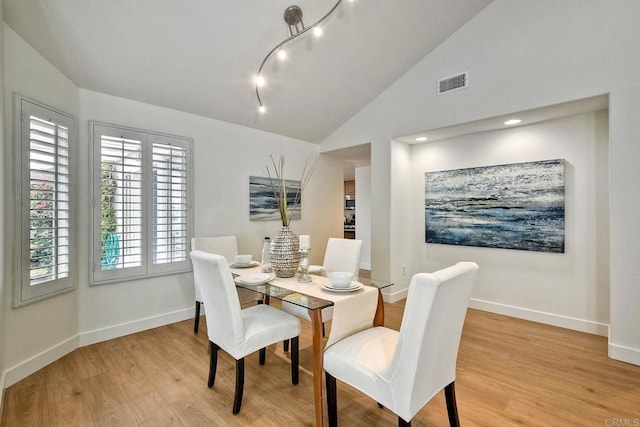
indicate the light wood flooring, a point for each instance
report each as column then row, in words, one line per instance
column 510, row 373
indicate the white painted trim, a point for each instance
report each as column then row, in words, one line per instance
column 396, row 296
column 39, row 361
column 122, row 329
column 624, row 354
column 567, row 322
column 2, row 375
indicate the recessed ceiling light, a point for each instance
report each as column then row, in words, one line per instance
column 512, row 122
column 421, row 138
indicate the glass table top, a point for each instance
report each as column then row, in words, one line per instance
column 380, row 284
column 303, row 300
column 284, row 294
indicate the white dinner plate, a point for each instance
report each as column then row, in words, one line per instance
column 251, row 264
column 254, row 279
column 353, row 287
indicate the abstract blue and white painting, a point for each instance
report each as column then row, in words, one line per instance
column 514, row 206
column 262, row 202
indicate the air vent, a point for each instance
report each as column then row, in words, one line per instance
column 451, row 84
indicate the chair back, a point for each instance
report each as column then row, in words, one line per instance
column 227, row 246
column 425, row 358
column 224, row 320
column 343, row 255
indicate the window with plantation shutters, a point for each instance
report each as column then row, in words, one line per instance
column 45, row 144
column 141, row 203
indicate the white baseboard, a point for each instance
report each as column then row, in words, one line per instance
column 617, row 352
column 624, row 354
column 567, row 322
column 396, row 296
column 526, row 314
column 39, row 361
column 1, row 392
column 139, row 325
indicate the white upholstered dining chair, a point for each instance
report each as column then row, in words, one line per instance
column 404, row 370
column 340, row 255
column 226, row 246
column 237, row 331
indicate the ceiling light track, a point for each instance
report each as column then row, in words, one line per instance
column 293, row 18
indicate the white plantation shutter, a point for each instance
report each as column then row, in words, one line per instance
column 121, row 191
column 141, row 203
column 169, row 203
column 46, row 229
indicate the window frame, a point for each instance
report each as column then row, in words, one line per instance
column 147, row 269
column 23, row 292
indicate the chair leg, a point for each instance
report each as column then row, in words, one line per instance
column 285, row 344
column 213, row 363
column 323, row 329
column 263, row 355
column 295, row 364
column 196, row 320
column 403, row 423
column 237, row 400
column 332, row 400
column 452, row 408
column 380, row 405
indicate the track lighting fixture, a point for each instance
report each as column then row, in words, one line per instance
column 293, row 18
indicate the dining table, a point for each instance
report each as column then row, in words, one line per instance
column 358, row 307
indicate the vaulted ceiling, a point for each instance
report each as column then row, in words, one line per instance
column 200, row 56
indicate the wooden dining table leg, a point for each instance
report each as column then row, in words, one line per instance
column 378, row 319
column 318, row 348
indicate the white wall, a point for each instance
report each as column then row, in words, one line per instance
column 554, row 52
column 44, row 330
column 225, row 155
column 2, row 208
column 570, row 289
column 624, row 339
column 521, row 55
column 401, row 230
column 363, row 210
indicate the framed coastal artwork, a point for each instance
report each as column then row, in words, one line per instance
column 514, row 206
column 262, row 202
